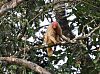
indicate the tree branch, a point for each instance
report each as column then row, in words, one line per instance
column 25, row 63
column 73, row 41
column 9, row 5
column 89, row 34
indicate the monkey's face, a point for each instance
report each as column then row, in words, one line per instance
column 54, row 25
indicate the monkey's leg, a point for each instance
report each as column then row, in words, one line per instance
column 49, row 51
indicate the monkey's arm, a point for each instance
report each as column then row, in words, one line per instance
column 52, row 38
column 65, row 38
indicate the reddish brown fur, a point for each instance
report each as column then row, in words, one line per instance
column 52, row 36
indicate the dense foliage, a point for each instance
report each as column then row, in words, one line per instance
column 20, row 24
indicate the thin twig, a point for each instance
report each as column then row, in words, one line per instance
column 82, row 37
column 87, row 24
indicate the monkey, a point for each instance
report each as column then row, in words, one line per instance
column 53, row 35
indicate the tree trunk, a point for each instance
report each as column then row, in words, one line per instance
column 59, row 10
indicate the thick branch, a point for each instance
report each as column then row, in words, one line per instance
column 9, row 5
column 25, row 63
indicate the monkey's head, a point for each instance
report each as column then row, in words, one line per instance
column 55, row 24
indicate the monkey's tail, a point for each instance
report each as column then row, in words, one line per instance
column 49, row 51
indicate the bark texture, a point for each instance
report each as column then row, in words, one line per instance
column 25, row 63
column 9, row 5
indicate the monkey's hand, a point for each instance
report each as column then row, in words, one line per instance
column 53, row 39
